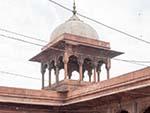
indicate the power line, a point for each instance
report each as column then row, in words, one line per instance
column 130, row 61
column 107, row 26
column 19, row 75
column 114, row 29
column 61, row 5
column 137, row 61
column 22, row 35
column 21, row 40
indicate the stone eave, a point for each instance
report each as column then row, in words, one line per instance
column 69, row 38
column 41, row 56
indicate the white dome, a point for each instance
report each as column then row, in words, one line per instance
column 76, row 27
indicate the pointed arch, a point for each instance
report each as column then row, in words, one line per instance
column 60, row 62
column 73, row 65
column 87, row 66
column 61, row 67
column 53, row 78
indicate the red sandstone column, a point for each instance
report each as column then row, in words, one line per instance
column 42, row 80
column 108, row 75
column 65, row 65
column 49, row 68
column 57, row 73
column 108, row 66
column 89, row 74
column 95, row 68
column 80, row 61
column 98, row 75
column 89, row 78
column 94, row 74
column 99, row 70
column 65, row 70
column 43, row 69
column 80, row 70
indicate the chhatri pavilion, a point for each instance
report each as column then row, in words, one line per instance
column 74, row 46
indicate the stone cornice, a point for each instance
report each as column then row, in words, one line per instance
column 28, row 96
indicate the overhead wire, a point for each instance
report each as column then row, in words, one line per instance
column 21, row 40
column 137, row 61
column 19, row 75
column 28, row 42
column 107, row 26
column 29, row 37
column 130, row 61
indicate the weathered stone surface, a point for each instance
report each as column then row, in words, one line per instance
column 130, row 92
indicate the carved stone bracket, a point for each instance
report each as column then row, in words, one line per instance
column 43, row 68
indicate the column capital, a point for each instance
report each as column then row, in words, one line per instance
column 108, row 66
column 43, row 68
column 95, row 64
column 99, row 66
column 50, row 66
column 108, row 63
column 65, row 58
column 80, row 60
column 65, row 61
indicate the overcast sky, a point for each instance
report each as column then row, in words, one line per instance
column 38, row 18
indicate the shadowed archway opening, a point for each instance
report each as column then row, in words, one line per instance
column 61, row 68
column 147, row 110
column 87, row 67
column 73, row 66
column 123, row 111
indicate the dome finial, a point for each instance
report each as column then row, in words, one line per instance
column 74, row 8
